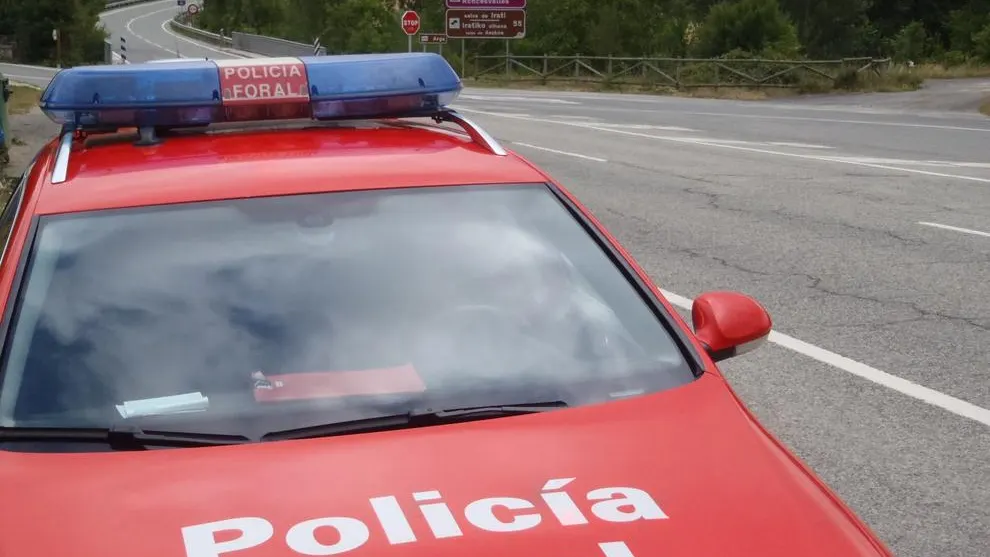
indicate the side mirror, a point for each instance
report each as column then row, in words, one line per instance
column 729, row 323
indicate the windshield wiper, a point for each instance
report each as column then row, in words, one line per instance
column 119, row 437
column 415, row 418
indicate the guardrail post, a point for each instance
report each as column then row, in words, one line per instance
column 508, row 61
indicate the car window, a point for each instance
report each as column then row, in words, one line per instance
column 280, row 312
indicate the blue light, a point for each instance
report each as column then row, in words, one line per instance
column 133, row 95
column 364, row 85
column 175, row 94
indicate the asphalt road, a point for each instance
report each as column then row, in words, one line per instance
column 27, row 74
column 878, row 373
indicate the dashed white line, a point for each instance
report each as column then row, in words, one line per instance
column 643, row 127
column 798, row 145
column 500, row 98
column 173, row 51
column 882, row 378
column 130, row 30
column 723, row 145
column 567, row 153
column 955, row 229
column 797, row 118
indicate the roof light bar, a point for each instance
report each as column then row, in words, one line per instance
column 190, row 93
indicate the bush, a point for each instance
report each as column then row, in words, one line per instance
column 981, row 44
column 910, row 43
column 757, row 26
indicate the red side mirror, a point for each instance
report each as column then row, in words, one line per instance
column 729, row 323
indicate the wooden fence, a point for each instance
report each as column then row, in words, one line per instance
column 677, row 73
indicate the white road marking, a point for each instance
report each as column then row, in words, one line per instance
column 882, row 378
column 571, row 117
column 173, row 51
column 25, row 66
column 499, row 98
column 130, row 30
column 165, row 27
column 569, row 154
column 806, row 119
column 959, row 164
column 34, row 77
column 955, row 229
column 798, row 145
column 644, row 127
column 723, row 145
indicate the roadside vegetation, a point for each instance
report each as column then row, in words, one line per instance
column 28, row 25
column 23, row 99
column 923, row 40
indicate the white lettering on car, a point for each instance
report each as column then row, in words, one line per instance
column 438, row 515
column 482, row 514
column 201, row 539
column 491, row 514
column 351, row 534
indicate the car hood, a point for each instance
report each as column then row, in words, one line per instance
column 684, row 472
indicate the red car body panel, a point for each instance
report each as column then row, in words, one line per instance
column 712, row 480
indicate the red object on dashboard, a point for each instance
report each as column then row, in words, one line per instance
column 335, row 384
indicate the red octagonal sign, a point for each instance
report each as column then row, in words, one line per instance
column 410, row 22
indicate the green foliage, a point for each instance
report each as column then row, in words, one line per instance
column 949, row 32
column 31, row 23
column 981, row 44
column 759, row 27
column 910, row 43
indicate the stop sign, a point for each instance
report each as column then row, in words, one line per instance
column 410, row 22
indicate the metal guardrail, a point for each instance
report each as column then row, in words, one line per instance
column 114, row 4
column 247, row 42
column 271, row 46
column 679, row 73
column 180, row 26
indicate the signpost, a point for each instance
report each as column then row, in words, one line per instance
column 433, row 38
column 57, row 37
column 487, row 4
column 410, row 25
column 486, row 24
column 485, row 19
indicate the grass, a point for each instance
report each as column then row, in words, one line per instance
column 596, row 86
column 985, row 107
column 7, row 184
column 897, row 78
column 940, row 71
column 23, row 99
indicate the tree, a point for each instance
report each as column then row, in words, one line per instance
column 31, row 23
column 758, row 27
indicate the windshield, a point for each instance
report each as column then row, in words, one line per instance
column 253, row 315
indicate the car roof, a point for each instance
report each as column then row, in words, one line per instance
column 110, row 171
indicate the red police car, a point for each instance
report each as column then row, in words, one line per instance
column 285, row 307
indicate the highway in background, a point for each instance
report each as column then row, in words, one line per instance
column 861, row 222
